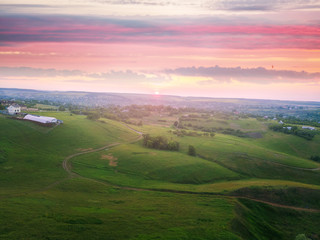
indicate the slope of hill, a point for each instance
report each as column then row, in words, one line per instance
column 132, row 192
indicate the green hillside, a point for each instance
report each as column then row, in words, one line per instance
column 34, row 153
column 128, row 191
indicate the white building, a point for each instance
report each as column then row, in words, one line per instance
column 40, row 119
column 14, row 109
column 307, row 127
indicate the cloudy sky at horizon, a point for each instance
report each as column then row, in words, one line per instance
column 212, row 48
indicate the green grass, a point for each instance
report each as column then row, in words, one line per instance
column 149, row 164
column 81, row 208
column 289, row 144
column 291, row 196
column 264, row 222
column 223, row 147
column 34, row 155
column 44, row 106
column 246, row 124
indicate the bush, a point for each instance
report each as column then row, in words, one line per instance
column 160, row 143
column 192, row 150
column 315, row 158
column 93, row 116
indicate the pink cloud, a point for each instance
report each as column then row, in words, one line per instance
column 58, row 29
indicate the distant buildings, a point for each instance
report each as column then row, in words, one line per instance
column 280, row 122
column 14, row 109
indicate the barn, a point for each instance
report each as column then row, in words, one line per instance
column 40, row 119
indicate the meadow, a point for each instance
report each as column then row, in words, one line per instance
column 129, row 191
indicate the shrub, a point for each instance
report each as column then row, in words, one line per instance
column 160, row 143
column 192, row 150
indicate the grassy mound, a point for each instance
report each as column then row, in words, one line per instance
column 149, row 164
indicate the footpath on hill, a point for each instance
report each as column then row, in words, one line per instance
column 68, row 168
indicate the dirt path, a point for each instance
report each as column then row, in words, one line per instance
column 68, row 168
column 280, row 205
column 124, row 124
column 292, row 167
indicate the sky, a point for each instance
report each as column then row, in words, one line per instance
column 211, row 48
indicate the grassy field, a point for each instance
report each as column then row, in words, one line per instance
column 78, row 209
column 145, row 164
column 36, row 191
column 46, row 107
column 34, row 153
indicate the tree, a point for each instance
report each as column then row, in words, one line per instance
column 192, row 150
column 93, row 116
column 176, row 123
column 61, row 108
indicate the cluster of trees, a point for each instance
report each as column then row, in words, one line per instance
column 182, row 133
column 315, row 158
column 233, row 132
column 93, row 115
column 195, row 117
column 160, row 142
column 294, row 120
column 287, row 129
column 229, row 131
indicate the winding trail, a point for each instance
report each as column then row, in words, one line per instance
column 292, row 167
column 68, row 168
column 280, row 205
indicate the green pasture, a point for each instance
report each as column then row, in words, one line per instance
column 145, row 165
column 46, row 107
column 33, row 154
column 94, row 206
column 80, row 209
column 234, row 122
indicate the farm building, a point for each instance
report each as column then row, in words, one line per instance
column 40, row 119
column 14, row 109
column 307, row 127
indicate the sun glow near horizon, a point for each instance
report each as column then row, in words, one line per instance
column 194, row 53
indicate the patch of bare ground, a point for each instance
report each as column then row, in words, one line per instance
column 113, row 161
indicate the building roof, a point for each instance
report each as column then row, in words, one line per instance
column 40, row 119
column 14, row 105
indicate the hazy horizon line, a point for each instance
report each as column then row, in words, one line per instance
column 171, row 95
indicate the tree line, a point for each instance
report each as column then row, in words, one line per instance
column 160, row 143
column 294, row 130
